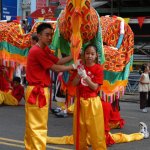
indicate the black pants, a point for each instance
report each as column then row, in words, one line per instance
column 143, row 99
column 148, row 103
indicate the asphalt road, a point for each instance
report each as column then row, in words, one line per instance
column 12, row 125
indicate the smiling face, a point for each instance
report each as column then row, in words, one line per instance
column 90, row 56
column 45, row 37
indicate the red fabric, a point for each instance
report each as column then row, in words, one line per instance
column 109, row 139
column 18, row 92
column 4, row 84
column 37, row 92
column 87, row 95
column 95, row 72
column 116, row 119
column 39, row 62
column 107, row 109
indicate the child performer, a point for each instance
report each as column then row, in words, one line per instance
column 40, row 62
column 91, row 120
column 14, row 96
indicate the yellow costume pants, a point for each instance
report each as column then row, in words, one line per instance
column 8, row 99
column 123, row 138
column 91, row 124
column 36, row 122
column 117, row 137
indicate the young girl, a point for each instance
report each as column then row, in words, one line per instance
column 89, row 78
column 144, row 88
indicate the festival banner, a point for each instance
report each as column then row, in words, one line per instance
column 141, row 21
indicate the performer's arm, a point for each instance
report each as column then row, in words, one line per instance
column 64, row 60
column 91, row 84
column 61, row 68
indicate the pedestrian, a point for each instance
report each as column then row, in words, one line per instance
column 40, row 61
column 88, row 80
column 13, row 96
column 144, row 88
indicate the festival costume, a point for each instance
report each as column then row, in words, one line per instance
column 12, row 97
column 110, row 138
column 91, row 112
column 117, row 137
column 37, row 96
column 115, row 121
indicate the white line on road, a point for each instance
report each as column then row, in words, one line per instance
column 128, row 117
column 6, row 140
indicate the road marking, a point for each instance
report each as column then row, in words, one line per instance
column 129, row 117
column 4, row 141
column 10, row 144
column 11, row 140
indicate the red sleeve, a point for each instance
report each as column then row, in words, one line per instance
column 46, row 59
column 99, row 75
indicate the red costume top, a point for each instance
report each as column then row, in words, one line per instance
column 18, row 92
column 39, row 62
column 95, row 72
column 4, row 84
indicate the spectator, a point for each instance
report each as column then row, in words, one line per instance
column 144, row 88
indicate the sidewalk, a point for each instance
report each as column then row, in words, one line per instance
column 131, row 98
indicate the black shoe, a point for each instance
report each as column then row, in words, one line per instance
column 61, row 115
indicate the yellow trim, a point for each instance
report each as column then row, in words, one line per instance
column 13, row 57
column 108, row 88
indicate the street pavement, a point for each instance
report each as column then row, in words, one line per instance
column 12, row 126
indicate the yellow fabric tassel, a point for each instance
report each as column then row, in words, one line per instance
column 122, row 138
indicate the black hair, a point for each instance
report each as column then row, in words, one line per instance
column 143, row 67
column 17, row 79
column 35, row 37
column 43, row 26
column 90, row 45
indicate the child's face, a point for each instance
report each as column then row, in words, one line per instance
column 90, row 55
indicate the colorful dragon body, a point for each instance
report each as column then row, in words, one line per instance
column 78, row 25
column 14, row 45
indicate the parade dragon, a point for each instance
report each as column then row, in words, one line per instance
column 78, row 25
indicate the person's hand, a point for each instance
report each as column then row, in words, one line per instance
column 78, row 63
column 82, row 73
